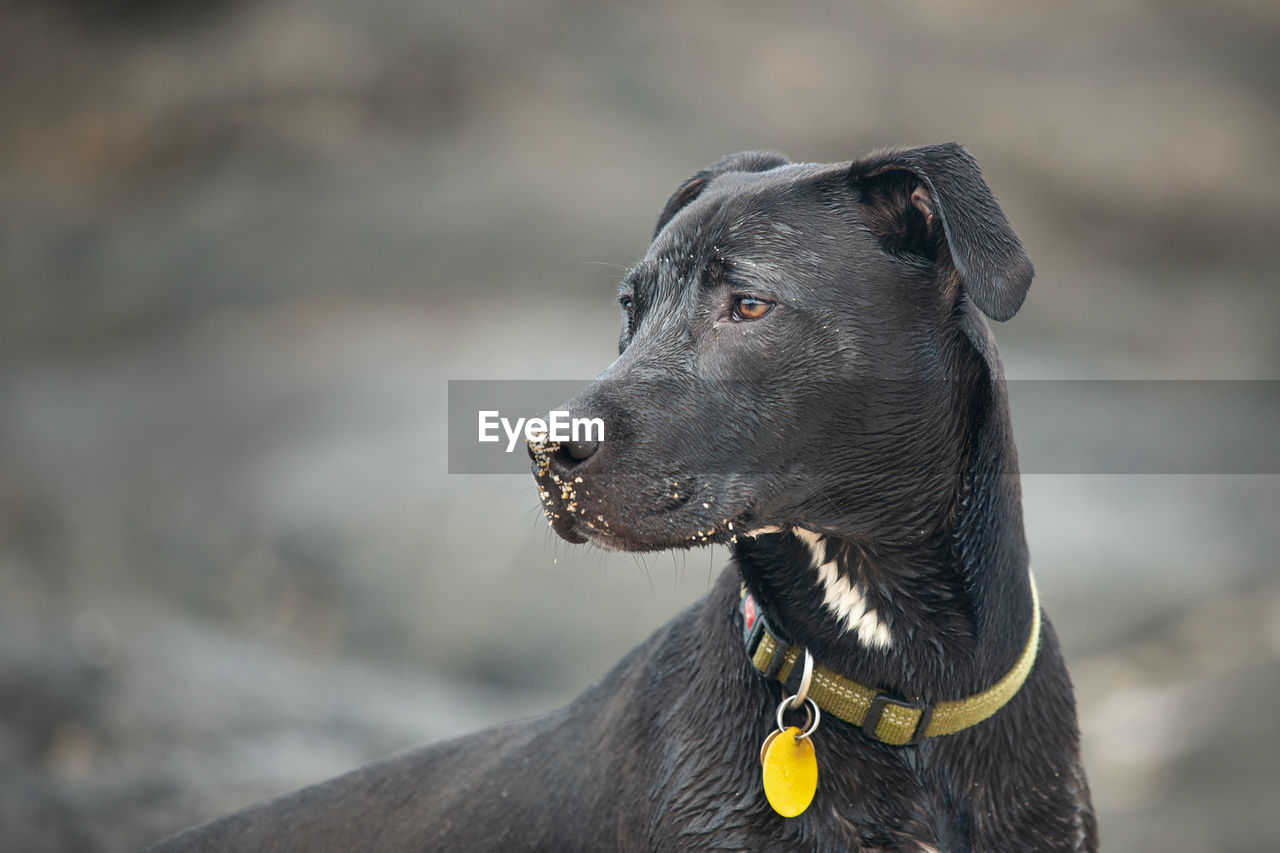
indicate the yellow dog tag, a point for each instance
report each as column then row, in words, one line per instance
column 764, row 748
column 790, row 772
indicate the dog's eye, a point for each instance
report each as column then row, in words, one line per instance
column 628, row 314
column 750, row 308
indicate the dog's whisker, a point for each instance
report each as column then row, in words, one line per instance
column 609, row 264
column 648, row 573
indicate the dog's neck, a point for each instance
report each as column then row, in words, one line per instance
column 938, row 618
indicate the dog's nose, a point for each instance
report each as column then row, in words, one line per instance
column 579, row 451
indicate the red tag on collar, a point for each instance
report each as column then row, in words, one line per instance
column 748, row 612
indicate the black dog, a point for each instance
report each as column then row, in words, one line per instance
column 805, row 376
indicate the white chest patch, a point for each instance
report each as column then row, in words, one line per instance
column 843, row 598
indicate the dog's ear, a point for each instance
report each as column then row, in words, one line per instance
column 746, row 161
column 923, row 199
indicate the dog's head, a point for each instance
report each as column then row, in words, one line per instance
column 801, row 345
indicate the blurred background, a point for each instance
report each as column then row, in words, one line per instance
column 244, row 245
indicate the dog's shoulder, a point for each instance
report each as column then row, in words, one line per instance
column 548, row 782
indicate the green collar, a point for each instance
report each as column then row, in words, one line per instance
column 880, row 715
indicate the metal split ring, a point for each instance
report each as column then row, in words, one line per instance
column 805, row 681
column 813, row 712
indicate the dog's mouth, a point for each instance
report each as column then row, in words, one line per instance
column 559, row 495
column 617, row 511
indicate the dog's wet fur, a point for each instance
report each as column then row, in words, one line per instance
column 804, row 375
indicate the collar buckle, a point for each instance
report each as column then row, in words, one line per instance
column 754, row 628
column 876, row 711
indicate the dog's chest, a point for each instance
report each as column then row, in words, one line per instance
column 861, row 805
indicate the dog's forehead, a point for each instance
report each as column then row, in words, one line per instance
column 748, row 220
